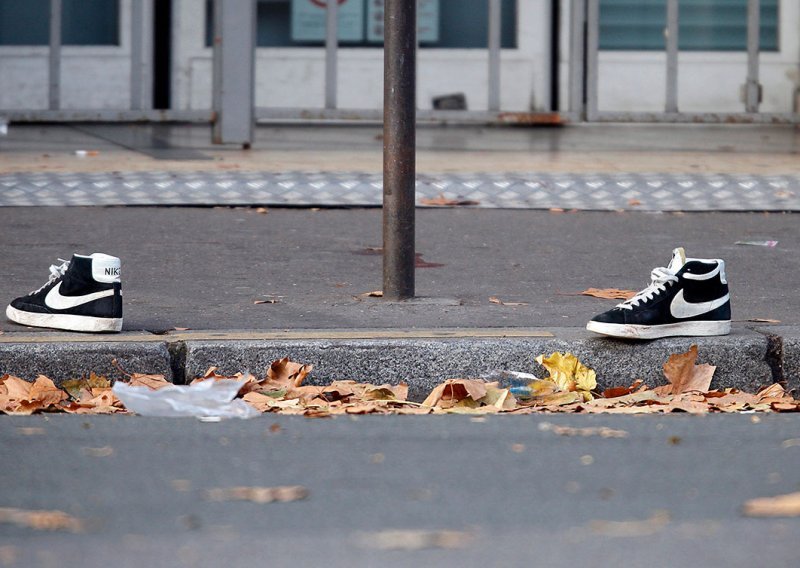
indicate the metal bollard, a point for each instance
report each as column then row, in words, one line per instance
column 399, row 147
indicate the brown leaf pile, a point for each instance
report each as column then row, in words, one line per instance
column 569, row 388
column 282, row 390
column 90, row 395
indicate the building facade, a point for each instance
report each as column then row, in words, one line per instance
column 290, row 57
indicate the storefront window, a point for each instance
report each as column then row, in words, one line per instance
column 704, row 25
column 451, row 24
column 84, row 22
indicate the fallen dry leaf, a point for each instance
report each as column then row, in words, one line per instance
column 419, row 262
column 498, row 398
column 615, row 392
column 609, row 293
column 780, row 506
column 41, row 520
column 18, row 396
column 411, row 539
column 46, row 392
column 657, row 521
column 454, row 391
column 102, row 452
column 288, row 373
column 15, row 388
column 684, row 376
column 442, row 201
column 279, row 494
column 496, row 300
column 153, row 382
column 265, row 403
column 386, row 392
column 603, row 432
column 774, row 390
column 569, row 374
column 77, row 387
column 785, row 406
column 270, row 301
column 373, row 294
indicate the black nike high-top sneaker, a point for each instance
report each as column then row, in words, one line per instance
column 82, row 294
column 689, row 297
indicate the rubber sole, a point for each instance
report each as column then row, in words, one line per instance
column 687, row 328
column 65, row 321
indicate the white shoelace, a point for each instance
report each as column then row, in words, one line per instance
column 56, row 272
column 659, row 278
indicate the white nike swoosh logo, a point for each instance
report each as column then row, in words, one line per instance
column 681, row 309
column 56, row 301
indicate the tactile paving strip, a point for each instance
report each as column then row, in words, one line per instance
column 643, row 192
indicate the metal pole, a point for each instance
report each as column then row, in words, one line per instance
column 234, row 71
column 331, row 46
column 495, row 29
column 141, row 54
column 592, row 57
column 752, row 87
column 671, row 34
column 399, row 147
column 54, row 78
column 577, row 54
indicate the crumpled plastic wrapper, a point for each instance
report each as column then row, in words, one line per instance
column 206, row 399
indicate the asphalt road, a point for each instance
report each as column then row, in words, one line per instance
column 204, row 268
column 515, row 491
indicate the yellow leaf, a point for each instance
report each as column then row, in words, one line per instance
column 560, row 399
column 568, row 373
column 542, row 387
column 499, row 398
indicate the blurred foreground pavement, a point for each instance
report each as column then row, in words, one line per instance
column 402, row 491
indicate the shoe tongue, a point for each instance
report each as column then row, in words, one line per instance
column 678, row 259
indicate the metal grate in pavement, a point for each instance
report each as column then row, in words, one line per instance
column 643, row 192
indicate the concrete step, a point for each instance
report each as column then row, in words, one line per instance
column 746, row 359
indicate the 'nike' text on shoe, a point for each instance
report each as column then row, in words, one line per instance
column 82, row 294
column 689, row 297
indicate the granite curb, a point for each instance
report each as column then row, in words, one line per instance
column 747, row 359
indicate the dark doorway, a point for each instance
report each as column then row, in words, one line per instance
column 162, row 52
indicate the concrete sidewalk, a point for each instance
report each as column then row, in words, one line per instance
column 204, row 268
column 586, row 148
